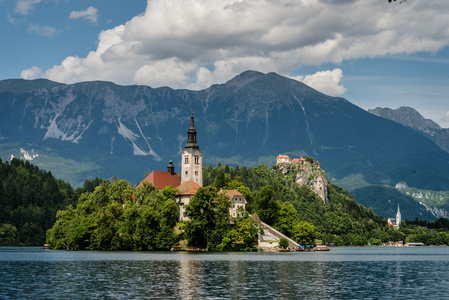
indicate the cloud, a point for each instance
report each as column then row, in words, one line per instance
column 11, row 20
column 91, row 14
column 42, row 30
column 202, row 42
column 33, row 73
column 446, row 117
column 24, row 7
column 327, row 82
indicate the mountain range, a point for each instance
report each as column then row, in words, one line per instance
column 409, row 117
column 100, row 129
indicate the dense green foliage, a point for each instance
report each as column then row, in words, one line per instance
column 342, row 221
column 113, row 215
column 29, row 200
column 118, row 217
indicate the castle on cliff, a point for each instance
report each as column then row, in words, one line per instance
column 286, row 159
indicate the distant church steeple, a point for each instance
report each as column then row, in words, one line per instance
column 398, row 217
column 192, row 157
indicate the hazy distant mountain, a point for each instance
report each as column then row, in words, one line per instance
column 101, row 129
column 409, row 117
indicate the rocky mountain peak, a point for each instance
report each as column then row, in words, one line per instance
column 244, row 78
column 406, row 116
column 411, row 118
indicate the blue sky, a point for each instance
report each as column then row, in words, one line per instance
column 371, row 52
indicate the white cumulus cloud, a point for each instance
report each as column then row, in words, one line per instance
column 327, row 82
column 91, row 14
column 193, row 43
column 24, row 7
column 32, row 73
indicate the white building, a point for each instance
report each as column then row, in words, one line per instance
column 192, row 158
column 395, row 222
column 283, row 159
column 237, row 200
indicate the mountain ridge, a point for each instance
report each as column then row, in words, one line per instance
column 126, row 130
column 411, row 118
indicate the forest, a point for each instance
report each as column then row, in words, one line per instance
column 36, row 208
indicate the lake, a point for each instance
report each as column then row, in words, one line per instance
column 342, row 273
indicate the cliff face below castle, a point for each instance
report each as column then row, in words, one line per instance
column 308, row 174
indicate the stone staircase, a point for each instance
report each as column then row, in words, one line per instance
column 270, row 238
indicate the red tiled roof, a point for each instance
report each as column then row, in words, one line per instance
column 295, row 160
column 302, row 159
column 283, row 156
column 188, row 188
column 256, row 218
column 232, row 194
column 161, row 179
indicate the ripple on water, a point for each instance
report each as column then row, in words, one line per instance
column 342, row 275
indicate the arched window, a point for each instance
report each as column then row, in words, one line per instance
column 186, row 159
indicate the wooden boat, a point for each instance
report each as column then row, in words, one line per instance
column 322, row 248
column 192, row 249
column 177, row 248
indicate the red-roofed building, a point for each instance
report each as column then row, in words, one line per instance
column 283, row 159
column 185, row 193
column 162, row 179
column 296, row 160
column 237, row 200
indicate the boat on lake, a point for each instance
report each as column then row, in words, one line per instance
column 177, row 248
column 322, row 248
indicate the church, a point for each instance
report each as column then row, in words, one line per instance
column 395, row 221
column 191, row 177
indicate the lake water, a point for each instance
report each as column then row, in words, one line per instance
column 342, row 273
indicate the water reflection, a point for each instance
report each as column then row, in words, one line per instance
column 343, row 274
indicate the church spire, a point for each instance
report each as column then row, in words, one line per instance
column 398, row 217
column 191, row 135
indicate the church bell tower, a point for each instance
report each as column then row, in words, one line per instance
column 192, row 158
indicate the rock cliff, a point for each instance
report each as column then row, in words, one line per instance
column 309, row 174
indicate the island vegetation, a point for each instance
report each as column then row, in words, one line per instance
column 113, row 215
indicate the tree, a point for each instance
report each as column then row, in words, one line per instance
column 201, row 214
column 8, row 234
column 283, row 243
column 304, row 233
column 309, row 159
column 241, row 237
column 267, row 207
column 287, row 218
